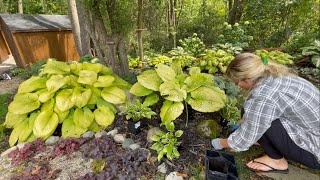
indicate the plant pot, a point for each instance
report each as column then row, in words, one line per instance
column 134, row 127
column 220, row 166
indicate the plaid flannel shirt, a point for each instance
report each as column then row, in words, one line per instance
column 294, row 101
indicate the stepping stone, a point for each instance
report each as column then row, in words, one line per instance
column 294, row 173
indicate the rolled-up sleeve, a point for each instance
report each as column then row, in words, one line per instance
column 259, row 113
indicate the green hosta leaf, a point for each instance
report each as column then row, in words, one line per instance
column 62, row 115
column 74, row 81
column 104, row 81
column 165, row 72
column 97, row 67
column 179, row 133
column 194, row 70
column 176, row 66
column 180, row 78
column 63, row 100
column 157, row 147
column 194, row 81
column 210, row 79
column 175, row 152
column 171, row 111
column 160, row 155
column 45, row 124
column 70, row 129
column 160, row 133
column 45, row 95
column 113, row 95
column 96, row 93
column 94, row 127
column 80, row 96
column 120, row 83
column 75, row 68
column 49, row 105
column 56, row 82
column 150, row 79
column 24, row 103
column 87, row 77
column 170, row 128
column 139, row 90
column 32, row 84
column 27, row 130
column 172, row 92
column 104, row 116
column 155, row 138
column 14, row 119
column 56, row 67
column 207, row 99
column 83, row 117
column 106, row 70
column 17, row 131
column 102, row 103
column 151, row 99
column 168, row 149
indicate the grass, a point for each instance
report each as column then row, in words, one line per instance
column 4, row 102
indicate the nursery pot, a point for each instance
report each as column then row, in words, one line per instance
column 134, row 127
column 220, row 166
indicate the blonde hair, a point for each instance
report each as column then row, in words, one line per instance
column 250, row 66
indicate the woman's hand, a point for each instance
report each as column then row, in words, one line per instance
column 219, row 144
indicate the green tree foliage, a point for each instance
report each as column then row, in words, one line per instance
column 35, row 6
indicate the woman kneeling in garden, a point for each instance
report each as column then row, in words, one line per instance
column 282, row 114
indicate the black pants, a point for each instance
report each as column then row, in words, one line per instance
column 277, row 144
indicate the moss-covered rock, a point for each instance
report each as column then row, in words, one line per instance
column 209, row 128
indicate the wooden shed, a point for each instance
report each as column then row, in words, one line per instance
column 4, row 49
column 32, row 38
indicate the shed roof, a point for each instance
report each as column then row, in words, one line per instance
column 29, row 23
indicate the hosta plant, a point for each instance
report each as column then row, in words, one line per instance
column 276, row 56
column 80, row 96
column 167, row 143
column 313, row 52
column 170, row 82
column 216, row 61
column 231, row 112
column 136, row 111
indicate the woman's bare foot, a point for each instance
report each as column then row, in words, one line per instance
column 278, row 164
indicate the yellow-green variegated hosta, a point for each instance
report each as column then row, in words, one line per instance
column 80, row 96
column 197, row 89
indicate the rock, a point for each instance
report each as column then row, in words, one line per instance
column 100, row 134
column 162, row 168
column 52, row 140
column 127, row 142
column 119, row 138
column 88, row 134
column 113, row 132
column 147, row 151
column 134, row 146
column 174, row 176
column 21, row 145
column 9, row 151
column 152, row 132
column 209, row 129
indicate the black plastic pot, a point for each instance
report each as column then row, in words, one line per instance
column 134, row 127
column 220, row 166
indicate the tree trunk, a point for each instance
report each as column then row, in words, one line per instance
column 80, row 34
column 235, row 10
column 20, row 7
column 85, row 37
column 140, row 26
column 110, row 49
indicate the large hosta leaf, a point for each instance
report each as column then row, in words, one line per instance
column 104, row 81
column 172, row 92
column 70, row 129
column 24, row 103
column 87, row 77
column 96, row 93
column 194, row 70
column 101, row 103
column 32, row 84
column 104, row 116
column 165, row 72
column 80, row 96
column 139, row 90
column 207, row 99
column 17, row 131
column 151, row 99
column 170, row 111
column 194, row 81
column 63, row 100
column 45, row 124
column 56, row 82
column 97, row 67
column 28, row 129
column 150, row 79
column 45, row 95
column 113, row 95
column 62, row 115
column 83, row 117
column 56, row 67
column 120, row 83
column 14, row 119
column 176, row 66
